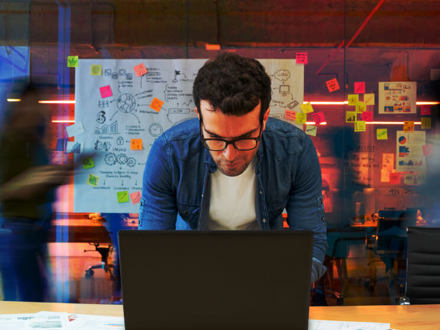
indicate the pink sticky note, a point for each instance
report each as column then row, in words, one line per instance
column 140, row 69
column 332, row 85
column 425, row 110
column 367, row 116
column 359, row 87
column 395, row 178
column 318, row 117
column 135, row 197
column 427, row 149
column 106, row 91
column 302, row 58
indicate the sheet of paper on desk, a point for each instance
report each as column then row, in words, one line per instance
column 50, row 321
column 345, row 325
column 84, row 321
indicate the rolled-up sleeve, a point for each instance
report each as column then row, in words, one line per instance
column 158, row 208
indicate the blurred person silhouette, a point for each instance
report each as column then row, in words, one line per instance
column 27, row 184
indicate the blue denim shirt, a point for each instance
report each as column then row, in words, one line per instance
column 176, row 182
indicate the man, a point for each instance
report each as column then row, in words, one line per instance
column 234, row 168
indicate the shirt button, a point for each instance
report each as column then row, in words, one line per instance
column 261, row 192
column 264, row 220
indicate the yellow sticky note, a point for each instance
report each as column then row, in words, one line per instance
column 382, row 134
column 123, row 196
column 408, row 126
column 426, row 122
column 88, row 163
column 353, row 99
column 136, row 144
column 72, row 61
column 92, row 180
column 301, row 117
column 360, row 126
column 306, row 107
column 96, row 70
column 350, row 116
column 156, row 104
column 361, row 107
column 369, row 99
column 311, row 130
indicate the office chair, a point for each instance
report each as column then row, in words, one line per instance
column 423, row 265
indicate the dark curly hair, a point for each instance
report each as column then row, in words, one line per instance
column 234, row 84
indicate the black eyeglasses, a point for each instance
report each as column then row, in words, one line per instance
column 241, row 144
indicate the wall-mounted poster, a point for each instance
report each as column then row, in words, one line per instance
column 409, row 153
column 397, row 97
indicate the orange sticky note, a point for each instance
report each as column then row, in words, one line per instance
column 212, row 47
column 359, row 87
column 301, row 58
column 367, row 116
column 332, row 85
column 140, row 69
column 290, row 114
column 306, row 107
column 395, row 178
column 135, row 197
column 156, row 104
column 136, row 144
column 408, row 126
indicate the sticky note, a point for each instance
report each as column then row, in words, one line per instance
column 426, row 122
column 74, row 147
column 306, row 107
column 318, row 117
column 332, row 85
column 369, row 99
column 72, row 61
column 395, row 178
column 425, row 110
column 361, row 107
column 290, row 114
column 427, row 149
column 360, row 126
column 382, row 134
column 367, row 116
column 135, row 197
column 350, row 116
column 74, row 130
column 140, row 69
column 156, row 104
column 213, row 47
column 136, row 144
column 92, row 180
column 353, row 99
column 385, row 175
column 359, row 87
column 96, row 70
column 311, row 130
column 106, row 91
column 88, row 163
column 301, row 58
column 301, row 117
column 122, row 196
column 408, row 126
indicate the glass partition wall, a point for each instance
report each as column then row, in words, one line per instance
column 372, row 71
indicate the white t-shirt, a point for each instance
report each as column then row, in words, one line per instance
column 232, row 203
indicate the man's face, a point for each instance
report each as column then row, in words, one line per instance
column 216, row 124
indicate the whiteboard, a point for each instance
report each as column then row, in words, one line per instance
column 109, row 124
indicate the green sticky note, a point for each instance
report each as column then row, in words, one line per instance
column 301, row 117
column 72, row 61
column 96, row 70
column 360, row 126
column 353, row 99
column 382, row 134
column 88, row 163
column 311, row 130
column 92, row 180
column 123, row 197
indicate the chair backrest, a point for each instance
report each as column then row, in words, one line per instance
column 423, row 265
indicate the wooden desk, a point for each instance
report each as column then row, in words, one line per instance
column 420, row 317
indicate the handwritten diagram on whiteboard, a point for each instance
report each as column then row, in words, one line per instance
column 121, row 109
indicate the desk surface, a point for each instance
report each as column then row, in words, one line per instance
column 419, row 317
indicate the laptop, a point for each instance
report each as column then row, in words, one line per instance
column 215, row 279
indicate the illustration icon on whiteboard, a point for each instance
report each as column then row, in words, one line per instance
column 126, row 103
